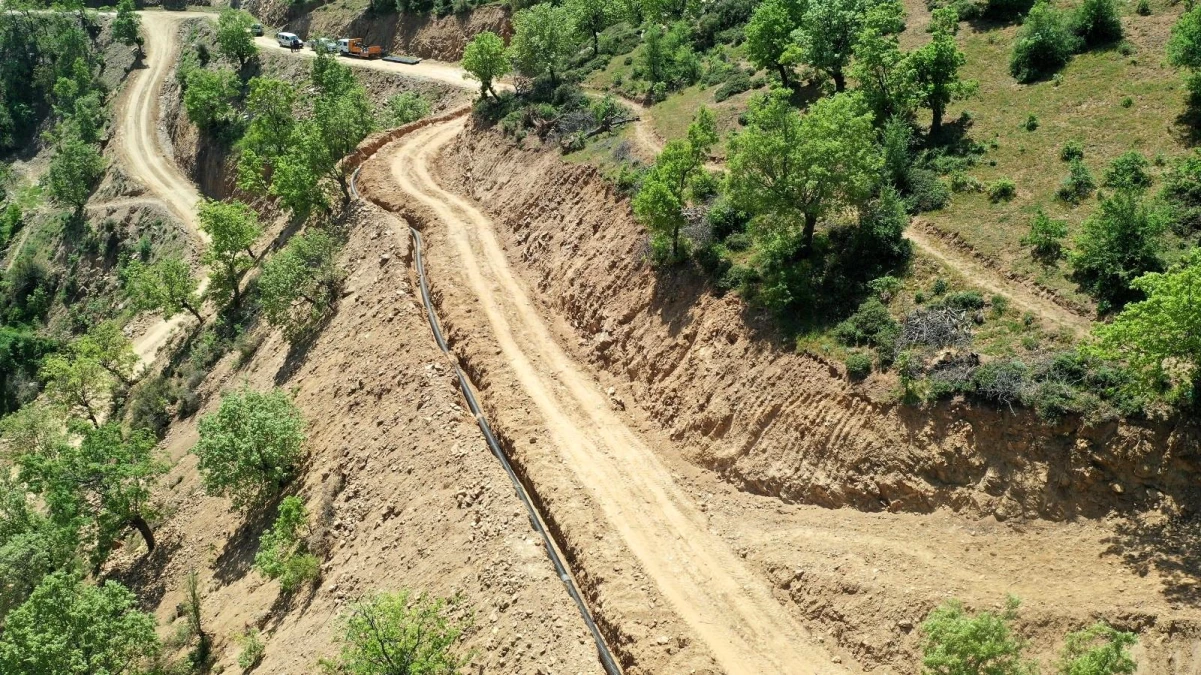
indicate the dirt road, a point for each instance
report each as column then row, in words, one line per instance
column 145, row 156
column 710, row 587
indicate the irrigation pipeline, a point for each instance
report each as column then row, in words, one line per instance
column 602, row 648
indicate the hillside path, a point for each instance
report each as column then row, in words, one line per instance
column 727, row 606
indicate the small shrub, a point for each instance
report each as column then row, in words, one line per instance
column 1097, row 22
column 1127, row 102
column 415, row 630
column 1078, row 185
column 252, row 649
column 1000, row 381
column 1143, row 8
column 1000, row 304
column 1002, row 190
column 938, row 287
column 1071, row 150
column 1044, row 44
column 1128, row 172
column 926, row 191
column 964, row 182
column 1099, row 649
column 283, row 552
column 871, row 324
column 965, row 300
column 859, row 365
column 1046, row 237
column 1031, row 123
column 1125, row 48
column 953, row 639
column 406, row 107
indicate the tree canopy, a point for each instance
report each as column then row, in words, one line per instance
column 485, row 60
column 233, row 227
column 234, row 40
column 299, row 283
column 250, row 447
column 769, row 34
column 542, row 40
column 664, row 194
column 936, row 69
column 166, row 286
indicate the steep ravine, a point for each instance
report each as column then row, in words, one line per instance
column 713, row 374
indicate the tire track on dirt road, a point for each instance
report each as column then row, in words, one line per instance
column 729, row 608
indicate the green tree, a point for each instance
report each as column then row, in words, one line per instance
column 957, row 643
column 104, row 482
column 1098, row 22
column 1159, row 338
column 233, row 227
column 208, row 97
column 542, row 40
column 826, row 37
column 69, row 627
column 74, row 170
column 485, row 60
column 590, row 17
column 1046, row 237
column 884, row 74
column 298, row 284
column 272, row 120
column 1118, row 244
column 127, row 26
column 283, row 553
column 234, row 40
column 1099, row 649
column 398, row 634
column 31, row 546
column 936, row 69
column 1128, row 171
column 166, row 286
column 108, row 346
column 77, row 383
column 796, row 169
column 406, row 107
column 769, row 35
column 1044, row 44
column 1184, row 46
column 665, row 190
column 250, row 447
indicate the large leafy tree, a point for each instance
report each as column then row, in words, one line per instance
column 108, row 346
column 826, row 36
column 769, row 34
column 166, row 286
column 1043, row 45
column 797, row 168
column 234, row 40
column 272, row 121
column 209, row 95
column 298, row 284
column 590, row 17
column 75, row 168
column 233, row 227
column 1184, row 47
column 485, row 60
column 1159, row 338
column 543, row 40
column 665, row 190
column 884, row 74
column 70, row 627
column 1118, row 244
column 127, row 26
column 31, row 545
column 77, row 383
column 250, row 447
column 936, row 67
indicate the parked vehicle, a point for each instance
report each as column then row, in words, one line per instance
column 325, row 45
column 289, row 40
column 256, row 29
column 357, row 48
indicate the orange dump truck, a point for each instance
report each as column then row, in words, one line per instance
column 356, row 47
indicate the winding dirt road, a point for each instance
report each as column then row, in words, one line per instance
column 710, row 587
column 145, row 156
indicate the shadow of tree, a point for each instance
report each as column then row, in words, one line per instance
column 237, row 557
column 1169, row 545
column 146, row 576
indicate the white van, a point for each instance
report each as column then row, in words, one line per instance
column 289, row 40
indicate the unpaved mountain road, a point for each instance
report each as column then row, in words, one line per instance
column 711, row 589
column 145, row 156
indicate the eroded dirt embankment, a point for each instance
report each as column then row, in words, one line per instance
column 713, row 373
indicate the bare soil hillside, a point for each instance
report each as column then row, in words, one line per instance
column 716, row 376
column 405, row 492
column 672, row 358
